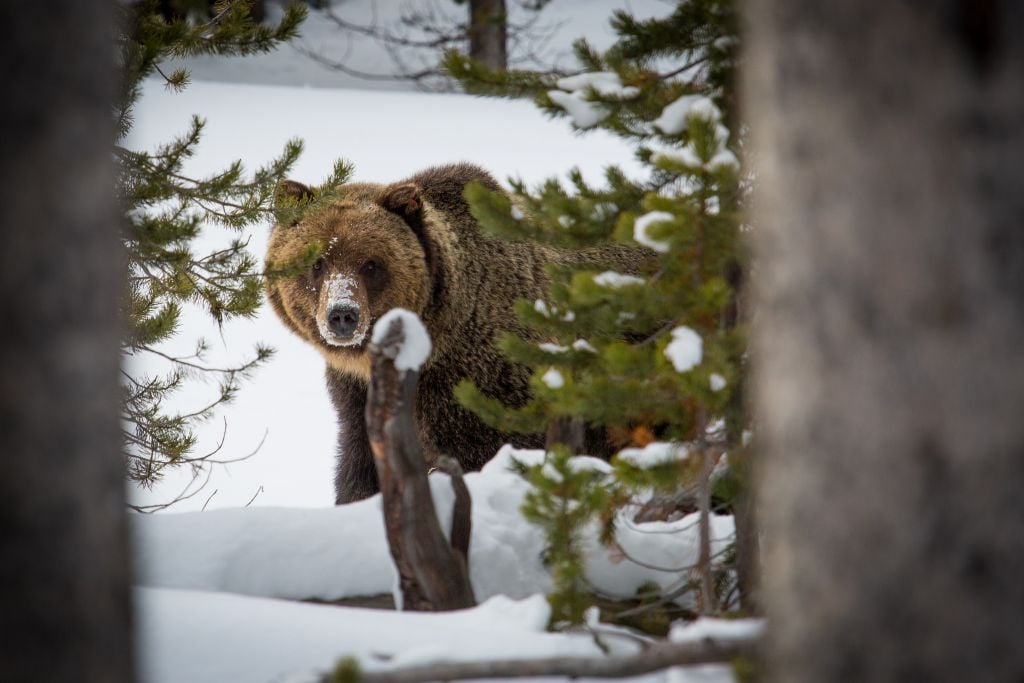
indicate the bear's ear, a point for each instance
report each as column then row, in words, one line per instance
column 287, row 197
column 403, row 200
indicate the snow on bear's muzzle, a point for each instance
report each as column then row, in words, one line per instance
column 341, row 314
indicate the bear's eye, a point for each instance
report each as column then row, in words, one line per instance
column 318, row 266
column 369, row 268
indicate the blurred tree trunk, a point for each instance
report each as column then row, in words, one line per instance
column 890, row 339
column 488, row 23
column 64, row 578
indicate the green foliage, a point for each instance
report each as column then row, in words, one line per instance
column 563, row 499
column 165, row 210
column 614, row 344
column 347, row 670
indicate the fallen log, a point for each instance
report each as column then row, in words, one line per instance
column 655, row 658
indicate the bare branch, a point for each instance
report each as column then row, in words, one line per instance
column 184, row 495
column 258, row 492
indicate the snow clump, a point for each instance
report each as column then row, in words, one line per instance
column 716, row 381
column 673, row 117
column 606, row 83
column 416, row 346
column 583, row 345
column 572, row 94
column 584, row 114
column 654, row 454
column 643, row 223
column 716, row 629
column 551, row 474
column 588, row 463
column 548, row 347
column 517, row 213
column 686, row 350
column 685, row 155
column 724, row 158
column 613, row 280
column 553, row 378
column 673, row 121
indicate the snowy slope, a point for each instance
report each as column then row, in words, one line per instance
column 204, row 612
column 194, row 637
column 340, row 552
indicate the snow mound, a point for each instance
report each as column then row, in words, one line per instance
column 509, row 457
column 415, row 348
column 341, row 552
column 214, row 637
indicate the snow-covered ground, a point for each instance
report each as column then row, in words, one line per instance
column 196, row 637
column 341, row 552
column 215, row 601
column 207, row 580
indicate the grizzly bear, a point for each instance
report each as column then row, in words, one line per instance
column 415, row 245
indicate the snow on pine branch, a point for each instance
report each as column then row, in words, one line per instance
column 572, row 96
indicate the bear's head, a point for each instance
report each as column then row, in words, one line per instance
column 375, row 256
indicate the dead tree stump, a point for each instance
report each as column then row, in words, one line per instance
column 432, row 576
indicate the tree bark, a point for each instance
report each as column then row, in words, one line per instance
column 64, row 576
column 567, row 431
column 748, row 544
column 890, row 277
column 432, row 576
column 488, row 22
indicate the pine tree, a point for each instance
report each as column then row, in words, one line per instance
column 656, row 360
column 164, row 212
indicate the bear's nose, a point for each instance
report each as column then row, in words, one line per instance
column 343, row 321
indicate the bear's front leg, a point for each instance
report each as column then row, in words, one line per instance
column 355, row 474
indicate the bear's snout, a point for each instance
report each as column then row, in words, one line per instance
column 342, row 313
column 343, row 321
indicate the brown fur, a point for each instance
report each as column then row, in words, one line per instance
column 438, row 264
